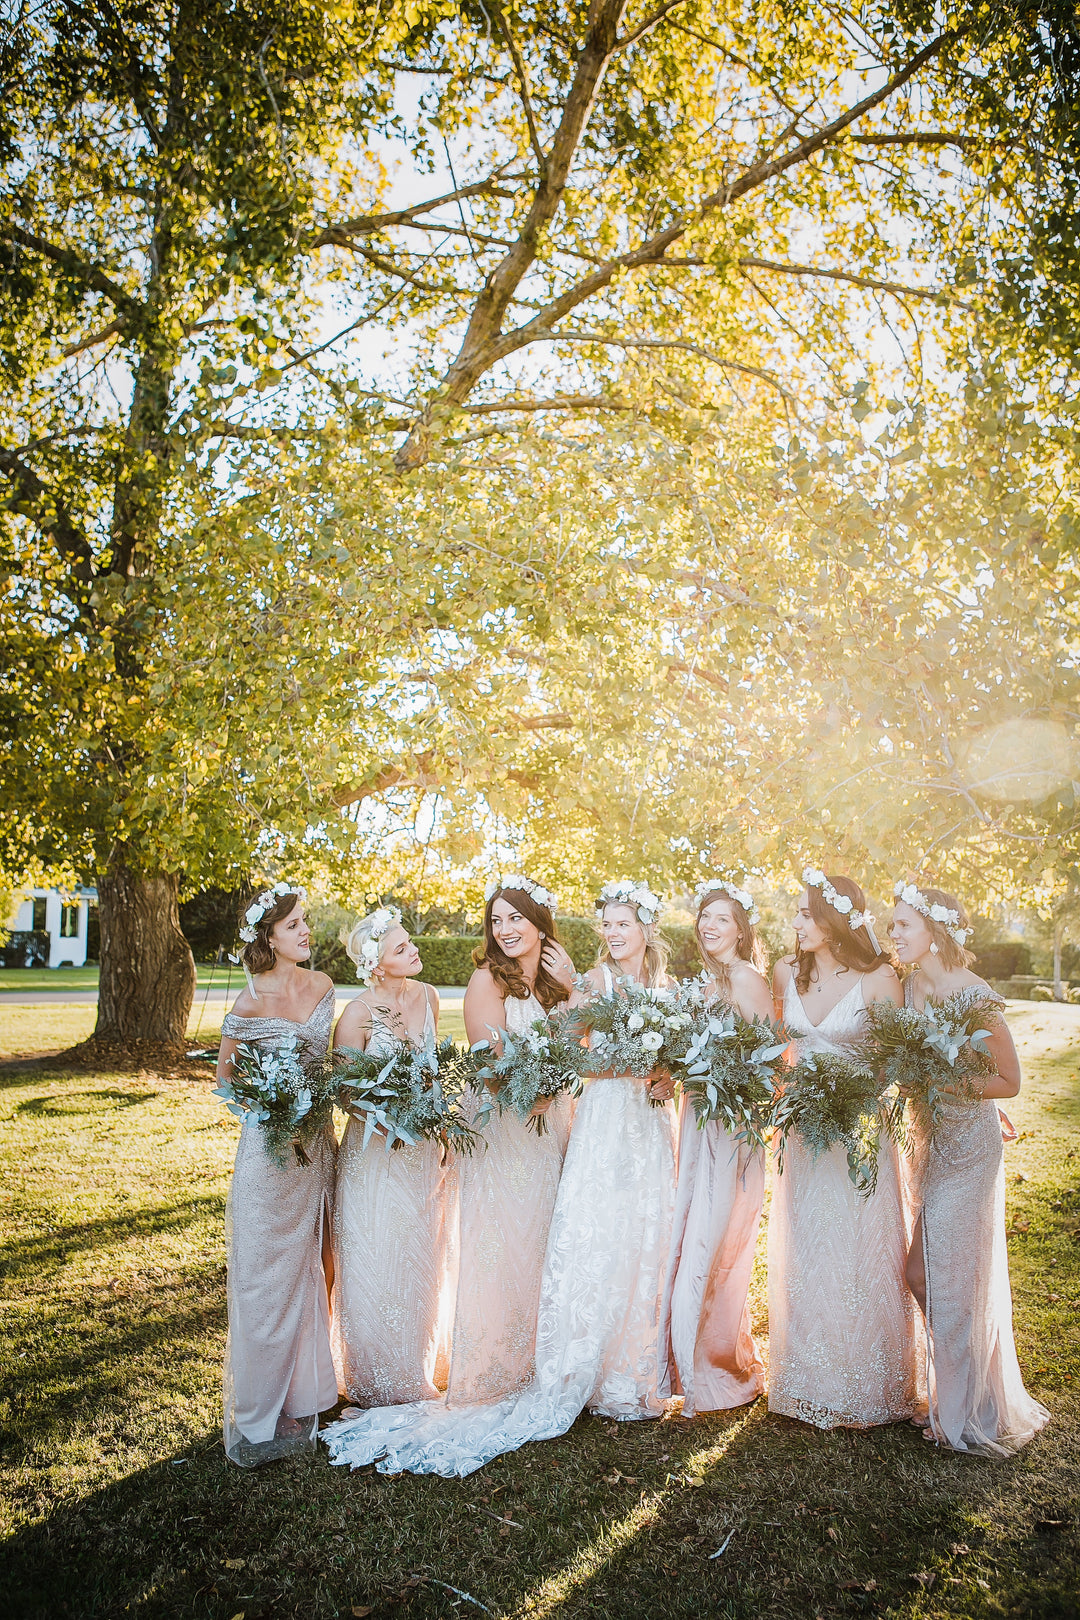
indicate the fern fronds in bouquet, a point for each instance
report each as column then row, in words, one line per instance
column 634, row 1030
column 289, row 1096
column 542, row 1062
column 731, row 1071
column 932, row 1054
column 409, row 1094
column 831, row 1101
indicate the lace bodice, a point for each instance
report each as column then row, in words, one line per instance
column 313, row 1033
column 839, row 1030
column 521, row 1011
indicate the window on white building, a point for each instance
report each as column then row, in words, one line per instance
column 38, row 923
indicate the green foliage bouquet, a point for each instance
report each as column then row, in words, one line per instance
column 635, row 1029
column 832, row 1101
column 731, row 1070
column 409, row 1094
column 291, row 1099
column 544, row 1061
column 932, row 1054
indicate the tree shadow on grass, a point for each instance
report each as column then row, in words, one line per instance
column 81, row 1102
column 27, row 1255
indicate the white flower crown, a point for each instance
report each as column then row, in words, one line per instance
column 720, row 886
column 949, row 919
column 816, row 879
column 266, row 902
column 382, row 921
column 625, row 892
column 518, row 880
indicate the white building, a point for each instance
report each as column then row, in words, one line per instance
column 63, row 916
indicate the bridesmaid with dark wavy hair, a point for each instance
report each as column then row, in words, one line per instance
column 507, row 1189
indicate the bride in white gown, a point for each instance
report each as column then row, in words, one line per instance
column 596, row 1336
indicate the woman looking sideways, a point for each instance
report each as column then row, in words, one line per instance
column 707, row 1350
column 506, row 1189
column 958, row 1265
column 390, row 1216
column 841, row 1322
column 279, row 1372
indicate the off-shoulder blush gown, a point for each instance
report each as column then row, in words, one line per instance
column 842, row 1342
column 279, row 1372
column 390, row 1259
column 599, row 1303
column 506, row 1193
column 977, row 1398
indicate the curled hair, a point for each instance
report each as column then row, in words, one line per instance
column 748, row 947
column 507, row 970
column 657, row 948
column 949, row 953
column 259, row 955
column 850, row 946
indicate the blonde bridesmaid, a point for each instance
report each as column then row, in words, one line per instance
column 707, row 1349
column 958, row 1266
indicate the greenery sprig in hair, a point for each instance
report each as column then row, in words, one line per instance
column 409, row 1094
column 933, row 1054
column 290, row 1098
column 545, row 1060
column 831, row 1101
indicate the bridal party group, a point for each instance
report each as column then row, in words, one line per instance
column 598, row 1255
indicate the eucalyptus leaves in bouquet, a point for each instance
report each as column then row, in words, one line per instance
column 732, row 1069
column 932, row 1055
column 408, row 1094
column 542, row 1062
column 288, row 1095
column 634, row 1029
column 831, row 1101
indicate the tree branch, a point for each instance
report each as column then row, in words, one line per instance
column 523, row 85
column 648, row 25
column 367, row 224
column 31, row 498
column 674, row 343
column 92, row 277
column 93, row 340
column 897, row 287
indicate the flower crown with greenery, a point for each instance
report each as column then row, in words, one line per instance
column 518, row 880
column 816, row 879
column 625, row 892
column 382, row 921
column 722, row 886
column 949, row 919
column 266, row 902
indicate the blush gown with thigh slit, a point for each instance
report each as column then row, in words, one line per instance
column 390, row 1258
column 505, row 1195
column 842, row 1337
column 279, row 1372
column 596, row 1333
column 707, row 1349
column 977, row 1398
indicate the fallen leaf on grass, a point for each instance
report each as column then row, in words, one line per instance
column 959, row 1548
column 622, row 1479
column 234, row 1563
column 832, row 1533
column 1050, row 1524
column 858, row 1586
column 925, row 1577
column 984, row 1584
column 361, row 1609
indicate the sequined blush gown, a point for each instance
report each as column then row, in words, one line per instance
column 279, row 1372
column 505, row 1195
column 977, row 1398
column 842, row 1341
column 390, row 1259
column 596, row 1334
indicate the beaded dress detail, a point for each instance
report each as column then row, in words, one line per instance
column 842, row 1338
column 279, row 1372
column 977, row 1398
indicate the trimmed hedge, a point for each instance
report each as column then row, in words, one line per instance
column 1004, row 959
column 447, row 958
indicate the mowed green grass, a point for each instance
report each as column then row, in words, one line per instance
column 86, row 978
column 118, row 1499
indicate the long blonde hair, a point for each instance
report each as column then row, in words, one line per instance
column 657, row 949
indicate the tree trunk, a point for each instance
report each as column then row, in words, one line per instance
column 1059, row 934
column 147, row 979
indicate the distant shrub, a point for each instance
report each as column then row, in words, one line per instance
column 1003, row 959
column 25, row 948
column 447, row 958
column 1040, row 992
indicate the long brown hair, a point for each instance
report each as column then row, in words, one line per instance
column 851, row 947
column 506, row 970
column 259, row 955
column 949, row 953
column 748, row 947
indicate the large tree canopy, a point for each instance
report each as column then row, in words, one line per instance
column 600, row 561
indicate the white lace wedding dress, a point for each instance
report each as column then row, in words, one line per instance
column 596, row 1335
column 842, row 1345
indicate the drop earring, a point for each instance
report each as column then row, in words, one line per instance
column 933, row 947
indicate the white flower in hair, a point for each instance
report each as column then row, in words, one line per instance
column 518, row 880
column 721, row 886
column 945, row 915
column 266, row 902
column 815, row 878
column 382, row 921
column 626, row 892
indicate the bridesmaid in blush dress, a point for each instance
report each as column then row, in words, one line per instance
column 279, row 1372
column 506, row 1189
column 841, row 1321
column 390, row 1216
column 707, row 1350
column 958, row 1267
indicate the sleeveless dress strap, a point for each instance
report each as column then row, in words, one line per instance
column 609, row 982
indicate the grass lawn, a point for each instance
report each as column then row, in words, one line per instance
column 86, row 978
column 118, row 1499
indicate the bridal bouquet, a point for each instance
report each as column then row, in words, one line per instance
column 931, row 1055
column 634, row 1030
column 731, row 1070
column 544, row 1061
column 410, row 1094
column 833, row 1101
column 292, row 1100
